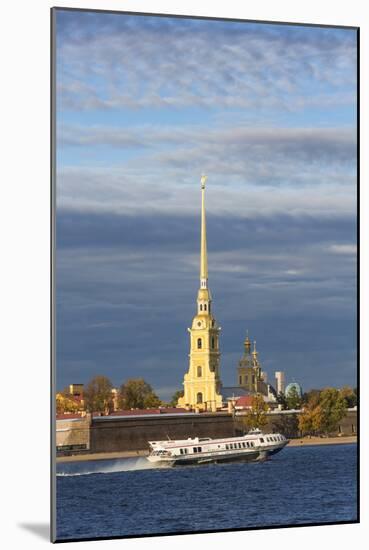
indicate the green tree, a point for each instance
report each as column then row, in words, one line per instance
column 137, row 394
column 323, row 412
column 98, row 396
column 281, row 400
column 350, row 396
column 256, row 416
column 176, row 396
column 293, row 399
column 333, row 407
column 287, row 424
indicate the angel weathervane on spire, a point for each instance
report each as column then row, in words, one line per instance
column 203, row 181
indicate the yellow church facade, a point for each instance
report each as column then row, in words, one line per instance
column 202, row 384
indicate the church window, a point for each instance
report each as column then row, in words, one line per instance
column 199, row 343
column 199, row 371
column 213, row 342
column 204, row 307
column 199, row 398
column 200, row 307
column 253, row 379
column 240, row 380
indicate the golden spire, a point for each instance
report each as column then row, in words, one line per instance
column 204, row 255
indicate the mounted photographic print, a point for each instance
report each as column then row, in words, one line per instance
column 204, row 184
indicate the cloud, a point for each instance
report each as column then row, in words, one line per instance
column 338, row 144
column 252, row 171
column 126, row 62
column 349, row 249
column 123, row 191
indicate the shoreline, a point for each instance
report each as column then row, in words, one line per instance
column 299, row 442
column 307, row 441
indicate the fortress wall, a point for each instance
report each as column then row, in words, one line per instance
column 127, row 434
column 73, row 432
column 114, row 434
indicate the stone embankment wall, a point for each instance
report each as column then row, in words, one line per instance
column 110, row 434
column 127, row 434
column 73, row 433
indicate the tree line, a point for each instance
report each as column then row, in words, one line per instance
column 98, row 396
column 321, row 412
column 293, row 400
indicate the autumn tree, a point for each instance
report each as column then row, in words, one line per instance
column 256, row 416
column 65, row 404
column 176, row 396
column 137, row 394
column 98, row 395
column 311, row 397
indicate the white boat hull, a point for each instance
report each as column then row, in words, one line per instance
column 165, row 454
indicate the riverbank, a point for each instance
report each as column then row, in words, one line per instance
column 301, row 442
column 101, row 456
column 305, row 441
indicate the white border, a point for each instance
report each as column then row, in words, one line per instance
column 25, row 264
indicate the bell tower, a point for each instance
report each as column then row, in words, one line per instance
column 202, row 381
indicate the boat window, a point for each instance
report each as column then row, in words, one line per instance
column 261, row 440
column 251, row 443
column 181, row 451
column 199, row 449
column 227, row 447
column 195, row 449
column 185, row 451
column 244, row 445
column 239, row 445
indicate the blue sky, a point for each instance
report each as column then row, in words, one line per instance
column 144, row 106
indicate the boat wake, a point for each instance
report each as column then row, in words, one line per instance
column 103, row 467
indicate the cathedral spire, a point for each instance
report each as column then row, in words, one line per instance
column 204, row 255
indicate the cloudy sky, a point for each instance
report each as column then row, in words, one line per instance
column 144, row 106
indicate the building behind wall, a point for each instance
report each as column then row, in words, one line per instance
column 280, row 383
column 250, row 375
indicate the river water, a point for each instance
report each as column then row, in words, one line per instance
column 126, row 497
